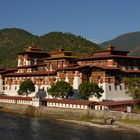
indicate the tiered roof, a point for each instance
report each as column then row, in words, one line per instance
column 7, row 70
column 110, row 52
column 33, row 49
column 61, row 54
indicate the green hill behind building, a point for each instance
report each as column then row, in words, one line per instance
column 14, row 40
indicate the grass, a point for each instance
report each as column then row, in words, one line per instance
column 130, row 121
column 137, row 111
column 86, row 118
column 92, row 119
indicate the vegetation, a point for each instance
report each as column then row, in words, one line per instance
column 15, row 40
column 128, row 42
column 61, row 89
column 133, row 87
column 87, row 89
column 130, row 121
column 136, row 110
column 26, row 87
column 86, row 118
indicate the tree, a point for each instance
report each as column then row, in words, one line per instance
column 61, row 89
column 133, row 87
column 26, row 87
column 87, row 89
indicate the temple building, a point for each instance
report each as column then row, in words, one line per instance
column 105, row 67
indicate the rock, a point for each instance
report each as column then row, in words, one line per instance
column 109, row 121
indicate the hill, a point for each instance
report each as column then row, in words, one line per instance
column 14, row 40
column 128, row 41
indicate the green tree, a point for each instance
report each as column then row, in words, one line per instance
column 87, row 89
column 61, row 89
column 133, row 87
column 26, row 87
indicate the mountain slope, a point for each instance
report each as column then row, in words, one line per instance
column 129, row 41
column 15, row 40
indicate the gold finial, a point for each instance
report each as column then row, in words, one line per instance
column 110, row 47
column 32, row 44
column 60, row 49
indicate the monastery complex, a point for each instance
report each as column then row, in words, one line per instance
column 105, row 67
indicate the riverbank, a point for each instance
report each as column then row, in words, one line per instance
column 93, row 118
column 116, row 126
column 130, row 126
column 22, row 127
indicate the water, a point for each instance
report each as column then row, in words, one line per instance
column 14, row 127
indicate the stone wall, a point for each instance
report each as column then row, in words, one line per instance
column 13, row 108
column 64, row 113
column 78, row 113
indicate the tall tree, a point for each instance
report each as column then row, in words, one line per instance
column 61, row 89
column 87, row 89
column 133, row 87
column 26, row 87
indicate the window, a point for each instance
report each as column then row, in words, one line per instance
column 109, row 88
column 120, row 87
column 109, row 80
column 101, row 87
column 115, row 87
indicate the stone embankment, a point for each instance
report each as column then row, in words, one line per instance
column 70, row 114
column 66, row 113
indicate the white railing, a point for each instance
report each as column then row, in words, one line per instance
column 65, row 105
column 16, row 100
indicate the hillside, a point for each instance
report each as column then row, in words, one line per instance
column 129, row 41
column 15, row 40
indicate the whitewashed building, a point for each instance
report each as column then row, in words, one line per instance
column 105, row 67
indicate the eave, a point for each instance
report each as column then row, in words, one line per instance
column 39, row 73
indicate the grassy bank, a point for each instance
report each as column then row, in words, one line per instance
column 137, row 122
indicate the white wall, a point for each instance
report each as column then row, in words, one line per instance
column 76, row 82
column 14, row 88
column 11, row 91
column 1, row 84
column 112, row 93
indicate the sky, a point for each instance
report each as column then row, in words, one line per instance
column 95, row 20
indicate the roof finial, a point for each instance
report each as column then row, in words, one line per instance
column 32, row 44
column 110, row 47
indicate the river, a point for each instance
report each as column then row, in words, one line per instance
column 14, row 127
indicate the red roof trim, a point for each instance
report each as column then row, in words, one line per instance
column 109, row 56
column 67, row 101
column 113, row 103
column 110, row 50
column 106, row 67
column 119, row 109
column 16, row 98
column 7, row 70
column 27, row 66
column 31, row 73
column 73, row 67
column 35, row 52
column 2, row 69
column 63, row 57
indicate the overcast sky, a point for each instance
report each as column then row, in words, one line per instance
column 96, row 20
